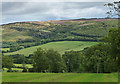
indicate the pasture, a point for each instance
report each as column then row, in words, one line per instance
column 19, row 69
column 60, row 46
column 59, row 77
column 5, row 49
column 27, row 65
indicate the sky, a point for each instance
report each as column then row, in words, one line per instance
column 44, row 11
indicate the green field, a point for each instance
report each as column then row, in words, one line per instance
column 27, row 65
column 59, row 77
column 5, row 49
column 19, row 69
column 60, row 46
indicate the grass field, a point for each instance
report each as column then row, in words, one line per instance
column 19, row 69
column 60, row 46
column 27, row 65
column 59, row 77
column 5, row 49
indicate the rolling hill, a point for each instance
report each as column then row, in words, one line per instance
column 21, row 35
column 81, row 29
column 60, row 46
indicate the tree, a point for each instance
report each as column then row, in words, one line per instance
column 48, row 60
column 72, row 61
column 40, row 60
column 113, row 40
column 7, row 62
column 114, row 9
column 20, row 59
column 56, row 62
column 114, row 34
column 98, row 59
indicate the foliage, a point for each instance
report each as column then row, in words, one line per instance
column 113, row 39
column 47, row 60
column 24, row 70
column 72, row 60
column 40, row 60
column 56, row 62
column 7, row 62
column 114, row 9
column 98, row 59
column 20, row 59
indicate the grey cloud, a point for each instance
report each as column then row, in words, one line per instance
column 15, row 8
column 24, row 11
column 10, row 6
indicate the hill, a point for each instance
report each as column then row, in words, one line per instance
column 60, row 46
column 19, row 35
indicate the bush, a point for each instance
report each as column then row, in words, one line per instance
column 9, row 71
column 31, row 70
column 19, row 67
column 15, row 71
column 24, row 70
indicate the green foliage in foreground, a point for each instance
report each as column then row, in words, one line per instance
column 113, row 39
column 48, row 60
column 95, row 59
column 7, row 62
column 59, row 77
column 60, row 46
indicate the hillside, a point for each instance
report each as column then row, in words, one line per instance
column 89, row 29
column 21, row 35
column 60, row 46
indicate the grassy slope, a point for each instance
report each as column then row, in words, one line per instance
column 22, row 31
column 60, row 46
column 13, row 35
column 59, row 77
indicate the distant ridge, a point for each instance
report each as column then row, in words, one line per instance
column 62, row 20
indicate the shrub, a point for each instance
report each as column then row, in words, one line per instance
column 24, row 70
column 9, row 71
column 15, row 71
column 31, row 70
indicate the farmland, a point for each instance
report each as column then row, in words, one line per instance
column 18, row 69
column 59, row 77
column 60, row 46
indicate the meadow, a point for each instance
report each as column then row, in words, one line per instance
column 5, row 49
column 59, row 77
column 60, row 46
column 19, row 69
column 27, row 65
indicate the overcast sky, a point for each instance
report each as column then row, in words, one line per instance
column 43, row 11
